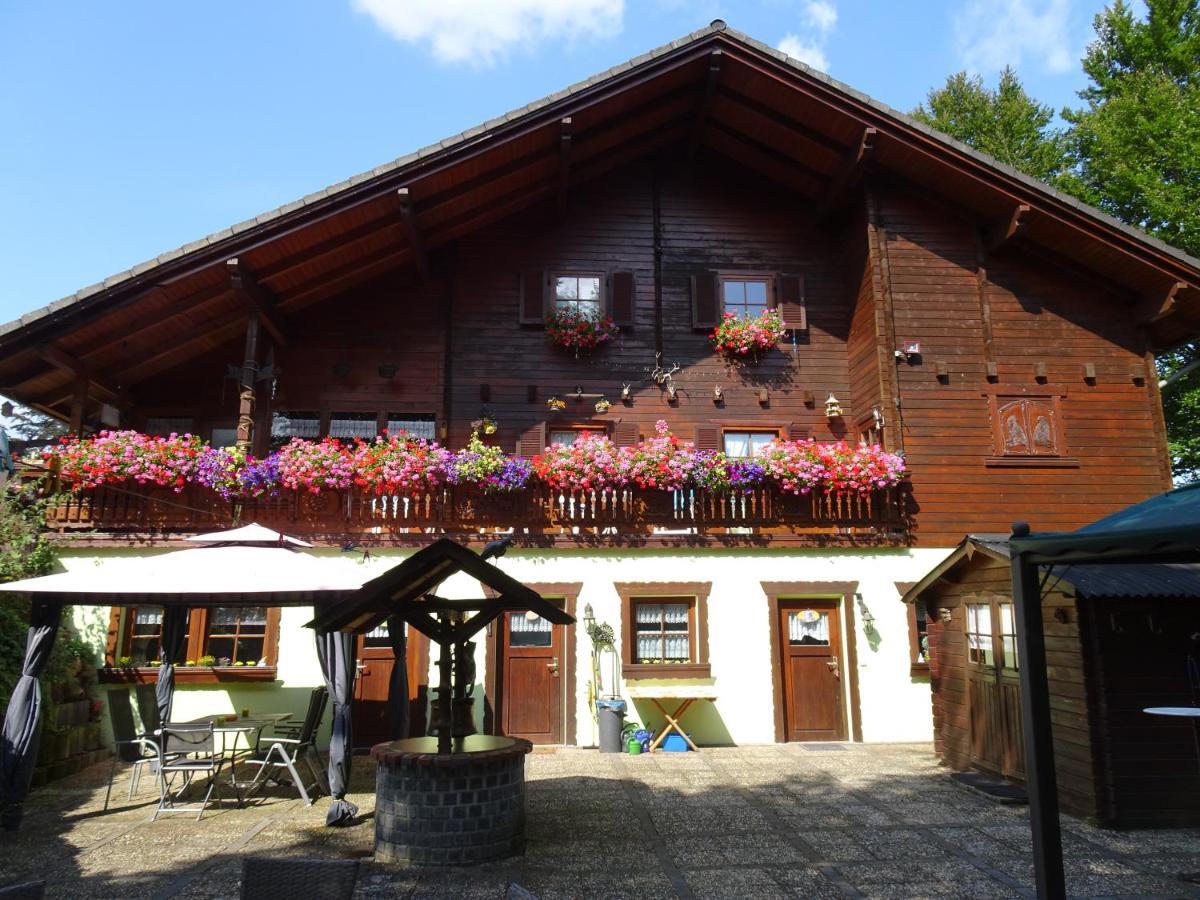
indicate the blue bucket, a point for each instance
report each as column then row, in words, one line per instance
column 674, row 743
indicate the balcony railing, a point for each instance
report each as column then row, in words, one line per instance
column 452, row 510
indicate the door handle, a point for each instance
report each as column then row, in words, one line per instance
column 361, row 668
column 832, row 662
column 553, row 666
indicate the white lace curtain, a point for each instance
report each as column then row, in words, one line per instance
column 808, row 627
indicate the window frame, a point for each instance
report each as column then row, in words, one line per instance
column 695, row 594
column 776, row 432
column 195, row 646
column 982, row 662
column 601, row 296
column 579, row 428
column 768, row 278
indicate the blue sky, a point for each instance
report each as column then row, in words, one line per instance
column 131, row 128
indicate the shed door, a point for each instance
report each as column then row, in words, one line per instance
column 993, row 686
column 530, row 689
column 810, row 646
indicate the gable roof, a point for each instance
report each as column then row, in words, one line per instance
column 715, row 87
column 1109, row 581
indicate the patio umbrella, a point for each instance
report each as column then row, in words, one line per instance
column 19, row 739
column 248, row 566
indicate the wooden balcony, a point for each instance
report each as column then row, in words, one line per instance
column 614, row 516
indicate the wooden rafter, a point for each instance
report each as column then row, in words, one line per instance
column 848, row 173
column 564, row 164
column 260, row 300
column 1000, row 233
column 412, row 233
column 1159, row 304
column 67, row 362
column 706, row 101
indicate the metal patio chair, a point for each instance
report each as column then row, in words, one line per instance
column 284, row 751
column 186, row 751
column 287, row 879
column 139, row 748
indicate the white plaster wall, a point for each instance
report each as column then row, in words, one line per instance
column 895, row 706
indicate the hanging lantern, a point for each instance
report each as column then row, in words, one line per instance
column 833, row 408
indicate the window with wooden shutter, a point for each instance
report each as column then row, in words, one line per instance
column 797, row 432
column 708, row 437
column 535, row 287
column 706, row 303
column 1027, row 426
column 789, row 301
column 532, row 440
column 625, row 434
column 621, row 298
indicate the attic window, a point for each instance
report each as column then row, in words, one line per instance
column 578, row 293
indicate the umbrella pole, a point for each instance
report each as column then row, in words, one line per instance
column 1041, row 782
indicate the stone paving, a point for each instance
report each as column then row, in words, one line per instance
column 747, row 822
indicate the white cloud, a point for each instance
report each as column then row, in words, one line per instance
column 482, row 32
column 809, row 52
column 992, row 34
column 820, row 15
column 818, row 19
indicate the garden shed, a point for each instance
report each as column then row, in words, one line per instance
column 1119, row 638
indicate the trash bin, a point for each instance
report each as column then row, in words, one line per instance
column 611, row 713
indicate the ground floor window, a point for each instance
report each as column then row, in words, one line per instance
column 664, row 629
column 231, row 636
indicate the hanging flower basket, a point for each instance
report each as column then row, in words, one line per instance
column 740, row 339
column 578, row 331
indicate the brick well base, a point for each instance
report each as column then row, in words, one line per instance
column 456, row 809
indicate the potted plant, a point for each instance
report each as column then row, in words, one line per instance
column 124, row 662
column 579, row 331
column 740, row 338
column 207, row 661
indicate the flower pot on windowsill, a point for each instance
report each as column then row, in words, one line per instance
column 189, row 674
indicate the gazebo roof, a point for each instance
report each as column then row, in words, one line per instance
column 405, row 588
column 249, row 566
column 1165, row 528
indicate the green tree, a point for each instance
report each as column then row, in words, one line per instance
column 24, row 553
column 1136, row 145
column 1006, row 123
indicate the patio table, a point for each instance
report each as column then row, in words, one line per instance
column 231, row 729
column 685, row 695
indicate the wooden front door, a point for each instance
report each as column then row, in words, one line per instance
column 994, row 689
column 529, row 678
column 810, row 646
column 371, row 721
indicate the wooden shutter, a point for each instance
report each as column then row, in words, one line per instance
column 535, row 286
column 706, row 303
column 708, row 437
column 625, row 434
column 789, row 301
column 620, row 295
column 532, row 440
column 796, row 432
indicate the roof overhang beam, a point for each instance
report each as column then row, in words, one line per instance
column 261, row 301
column 67, row 362
column 704, row 108
column 848, row 173
column 1159, row 304
column 412, row 232
column 1001, row 232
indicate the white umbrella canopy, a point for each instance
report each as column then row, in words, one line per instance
column 248, row 565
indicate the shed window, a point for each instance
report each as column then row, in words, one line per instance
column 745, row 297
column 579, row 293
column 918, row 634
column 662, row 632
column 1008, row 638
column 980, row 649
column 743, row 444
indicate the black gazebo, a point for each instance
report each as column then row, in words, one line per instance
column 1163, row 529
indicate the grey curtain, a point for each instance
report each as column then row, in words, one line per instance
column 174, row 627
column 398, row 708
column 22, row 719
column 336, row 650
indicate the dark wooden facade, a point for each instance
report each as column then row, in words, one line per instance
column 404, row 294
column 1108, row 658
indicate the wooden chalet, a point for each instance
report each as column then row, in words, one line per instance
column 997, row 333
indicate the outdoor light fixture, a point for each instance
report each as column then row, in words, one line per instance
column 718, row 394
column 864, row 612
column 833, row 407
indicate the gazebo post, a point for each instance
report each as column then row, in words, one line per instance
column 1035, row 723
